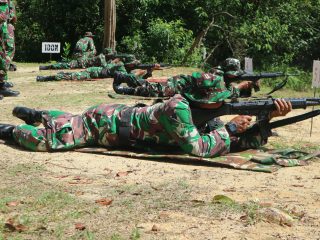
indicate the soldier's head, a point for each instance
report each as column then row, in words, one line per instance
column 232, row 66
column 88, row 34
column 207, row 91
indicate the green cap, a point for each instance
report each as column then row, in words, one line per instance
column 207, row 88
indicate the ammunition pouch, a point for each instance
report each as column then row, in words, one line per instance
column 125, row 127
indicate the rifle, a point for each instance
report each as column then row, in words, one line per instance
column 261, row 108
column 131, row 66
column 255, row 77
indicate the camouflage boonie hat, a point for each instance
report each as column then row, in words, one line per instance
column 88, row 34
column 232, row 66
column 130, row 59
column 207, row 88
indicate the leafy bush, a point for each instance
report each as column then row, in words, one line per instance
column 162, row 42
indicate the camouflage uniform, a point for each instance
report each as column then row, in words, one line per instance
column 177, row 84
column 167, row 123
column 100, row 60
column 9, row 35
column 91, row 73
column 97, row 61
column 85, row 47
column 4, row 58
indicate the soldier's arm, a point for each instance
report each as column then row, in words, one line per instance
column 93, row 47
column 180, row 127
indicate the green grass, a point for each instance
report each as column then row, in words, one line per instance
column 44, row 209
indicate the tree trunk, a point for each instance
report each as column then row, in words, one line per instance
column 109, row 24
column 196, row 43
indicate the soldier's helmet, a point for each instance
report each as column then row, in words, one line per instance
column 232, row 66
column 207, row 88
column 88, row 34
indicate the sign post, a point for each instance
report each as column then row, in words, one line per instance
column 315, row 83
column 50, row 47
column 248, row 64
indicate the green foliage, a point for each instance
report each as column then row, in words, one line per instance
column 302, row 82
column 162, row 42
column 135, row 234
column 272, row 32
column 66, row 52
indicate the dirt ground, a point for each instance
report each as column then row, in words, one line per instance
column 150, row 199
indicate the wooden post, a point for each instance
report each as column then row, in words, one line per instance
column 109, row 24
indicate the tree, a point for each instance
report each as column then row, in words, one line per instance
column 109, row 24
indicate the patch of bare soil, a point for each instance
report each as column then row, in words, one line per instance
column 159, row 199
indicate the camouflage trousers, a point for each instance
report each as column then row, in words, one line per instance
column 62, row 131
column 4, row 58
column 10, row 41
column 97, row 61
column 90, row 73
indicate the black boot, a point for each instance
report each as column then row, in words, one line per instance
column 6, row 92
column 8, row 84
column 44, row 67
column 6, row 131
column 30, row 116
column 12, row 67
column 45, row 78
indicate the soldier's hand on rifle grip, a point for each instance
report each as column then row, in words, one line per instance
column 156, row 66
column 241, row 122
column 283, row 108
column 244, row 85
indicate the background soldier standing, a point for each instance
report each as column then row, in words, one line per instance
column 4, row 58
column 85, row 47
column 9, row 38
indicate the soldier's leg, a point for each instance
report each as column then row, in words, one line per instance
column 81, row 76
column 9, row 41
column 4, row 65
column 30, row 137
column 59, row 65
column 10, row 46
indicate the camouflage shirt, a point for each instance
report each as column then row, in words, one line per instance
column 167, row 123
column 174, row 85
column 85, row 47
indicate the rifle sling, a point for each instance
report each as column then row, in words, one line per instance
column 255, row 127
column 294, row 119
column 279, row 86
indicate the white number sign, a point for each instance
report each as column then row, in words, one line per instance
column 50, row 47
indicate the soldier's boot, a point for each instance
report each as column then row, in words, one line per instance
column 12, row 67
column 6, row 92
column 6, row 131
column 28, row 115
column 44, row 67
column 119, row 78
column 45, row 78
column 8, row 84
column 1, row 97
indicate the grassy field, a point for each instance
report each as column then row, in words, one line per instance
column 71, row 195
